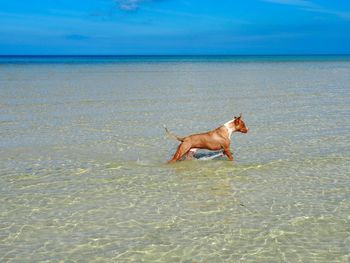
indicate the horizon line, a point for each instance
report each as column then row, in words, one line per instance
column 168, row 55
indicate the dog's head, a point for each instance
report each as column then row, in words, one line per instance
column 238, row 124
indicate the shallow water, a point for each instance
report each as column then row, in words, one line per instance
column 83, row 152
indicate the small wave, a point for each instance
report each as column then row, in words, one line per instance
column 204, row 156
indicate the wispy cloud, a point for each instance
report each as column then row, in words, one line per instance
column 130, row 5
column 299, row 3
column 340, row 14
column 311, row 7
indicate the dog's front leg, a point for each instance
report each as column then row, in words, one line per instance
column 228, row 153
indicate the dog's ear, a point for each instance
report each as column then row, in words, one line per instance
column 240, row 116
column 237, row 120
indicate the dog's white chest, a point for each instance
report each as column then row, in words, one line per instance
column 229, row 129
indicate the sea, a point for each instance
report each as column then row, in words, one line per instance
column 83, row 159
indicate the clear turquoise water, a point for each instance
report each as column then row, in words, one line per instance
column 83, row 152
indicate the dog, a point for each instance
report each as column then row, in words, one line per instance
column 215, row 140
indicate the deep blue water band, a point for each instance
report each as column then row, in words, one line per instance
column 42, row 59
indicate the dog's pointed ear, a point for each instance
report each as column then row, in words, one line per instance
column 240, row 115
column 237, row 120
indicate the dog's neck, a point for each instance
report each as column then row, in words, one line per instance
column 229, row 129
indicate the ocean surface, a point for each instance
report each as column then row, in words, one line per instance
column 83, row 152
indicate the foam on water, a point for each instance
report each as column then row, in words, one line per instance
column 83, row 171
column 208, row 156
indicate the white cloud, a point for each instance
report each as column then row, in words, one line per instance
column 129, row 5
column 300, row 3
column 311, row 7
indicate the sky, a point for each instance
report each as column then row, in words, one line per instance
column 173, row 27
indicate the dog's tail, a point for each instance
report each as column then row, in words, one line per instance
column 169, row 133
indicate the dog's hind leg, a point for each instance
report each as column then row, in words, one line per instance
column 181, row 151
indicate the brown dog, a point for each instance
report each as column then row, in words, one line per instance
column 214, row 140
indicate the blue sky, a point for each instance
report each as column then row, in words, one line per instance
column 174, row 27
